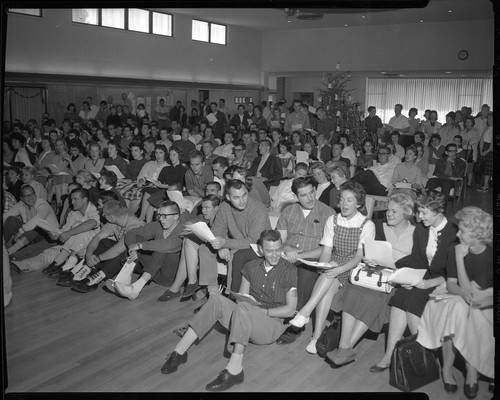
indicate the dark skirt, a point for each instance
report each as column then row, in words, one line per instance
column 486, row 162
column 412, row 301
column 157, row 198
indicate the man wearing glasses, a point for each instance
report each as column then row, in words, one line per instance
column 378, row 179
column 156, row 246
column 448, row 169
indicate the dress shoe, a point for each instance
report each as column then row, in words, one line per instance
column 471, row 391
column 189, row 291
column 168, row 295
column 66, row 280
column 224, row 381
column 14, row 268
column 55, row 274
column 51, row 268
column 450, row 387
column 376, row 369
column 173, row 361
column 341, row 357
column 84, row 287
column 290, row 335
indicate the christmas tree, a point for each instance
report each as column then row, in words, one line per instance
column 337, row 102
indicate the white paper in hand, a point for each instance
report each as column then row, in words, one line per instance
column 407, row 276
column 114, row 168
column 379, row 252
column 201, row 230
column 315, row 264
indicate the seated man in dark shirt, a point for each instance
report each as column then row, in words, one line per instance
column 272, row 282
column 448, row 169
column 337, row 159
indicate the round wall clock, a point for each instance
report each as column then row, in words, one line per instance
column 463, row 55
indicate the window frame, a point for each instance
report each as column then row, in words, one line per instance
column 126, row 22
column 209, row 41
column 27, row 14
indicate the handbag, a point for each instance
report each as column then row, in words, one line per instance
column 372, row 277
column 330, row 337
column 412, row 365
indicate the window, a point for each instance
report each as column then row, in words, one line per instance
column 138, row 20
column 208, row 32
column 86, row 16
column 37, row 12
column 113, row 17
column 133, row 19
column 443, row 95
column 162, row 24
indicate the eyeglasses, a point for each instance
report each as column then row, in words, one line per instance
column 164, row 216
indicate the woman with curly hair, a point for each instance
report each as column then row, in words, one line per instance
column 464, row 320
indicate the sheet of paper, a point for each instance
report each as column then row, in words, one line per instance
column 98, row 175
column 61, row 173
column 312, row 132
column 255, row 248
column 176, row 137
column 177, row 196
column 315, row 264
column 407, row 276
column 250, row 121
column 115, row 169
column 247, row 298
column 402, row 185
column 302, row 156
column 201, row 230
column 379, row 252
column 212, row 118
column 6, row 164
column 296, row 127
column 312, row 109
column 275, row 124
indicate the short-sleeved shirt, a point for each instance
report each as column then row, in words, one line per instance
column 479, row 267
column 400, row 122
column 270, row 287
column 41, row 209
column 368, row 231
column 306, row 232
column 76, row 218
column 116, row 232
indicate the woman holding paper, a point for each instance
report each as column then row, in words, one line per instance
column 114, row 160
column 431, row 240
column 363, row 308
column 407, row 172
column 464, row 320
column 342, row 248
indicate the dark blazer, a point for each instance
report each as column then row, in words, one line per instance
column 235, row 120
column 219, row 128
column 326, row 153
column 418, row 258
column 458, row 168
column 271, row 169
column 325, row 196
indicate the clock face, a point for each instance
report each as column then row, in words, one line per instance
column 463, row 54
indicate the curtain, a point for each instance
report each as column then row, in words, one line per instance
column 27, row 103
column 443, row 95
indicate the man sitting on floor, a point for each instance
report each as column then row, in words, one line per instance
column 106, row 250
column 301, row 227
column 19, row 232
column 157, row 247
column 237, row 224
column 81, row 226
column 272, row 281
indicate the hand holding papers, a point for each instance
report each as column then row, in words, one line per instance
column 379, row 252
column 247, row 298
column 201, row 230
column 316, row 264
column 407, row 276
column 114, row 168
column 212, row 118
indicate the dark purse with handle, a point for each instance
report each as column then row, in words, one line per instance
column 330, row 337
column 412, row 365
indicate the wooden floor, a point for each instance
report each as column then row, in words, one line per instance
column 58, row 340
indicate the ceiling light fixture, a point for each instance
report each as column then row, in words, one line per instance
column 307, row 15
column 450, row 11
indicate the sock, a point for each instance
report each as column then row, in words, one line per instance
column 235, row 364
column 96, row 278
column 139, row 284
column 187, row 340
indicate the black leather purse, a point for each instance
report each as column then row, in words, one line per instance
column 412, row 365
column 330, row 337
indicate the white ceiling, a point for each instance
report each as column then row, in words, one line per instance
column 264, row 19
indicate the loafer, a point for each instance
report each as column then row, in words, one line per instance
column 290, row 335
column 66, row 280
column 55, row 274
column 376, row 369
column 51, row 268
column 83, row 287
column 189, row 291
column 168, row 295
column 173, row 361
column 471, row 391
column 450, row 387
column 224, row 381
column 341, row 357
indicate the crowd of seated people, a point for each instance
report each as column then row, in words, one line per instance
column 110, row 193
